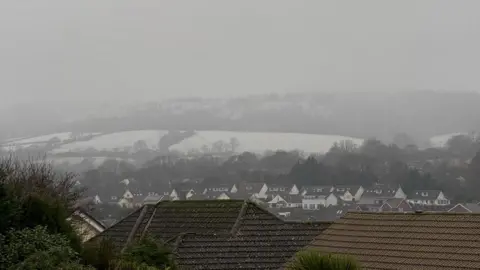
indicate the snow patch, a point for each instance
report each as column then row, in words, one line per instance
column 115, row 141
column 259, row 142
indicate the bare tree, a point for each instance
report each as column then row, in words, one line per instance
column 36, row 175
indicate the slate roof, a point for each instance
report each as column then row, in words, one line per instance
column 380, row 190
column 405, row 240
column 225, row 234
column 424, row 195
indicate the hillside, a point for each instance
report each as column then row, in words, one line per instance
column 421, row 114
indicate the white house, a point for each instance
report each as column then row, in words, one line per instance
column 85, row 225
column 317, row 190
column 220, row 188
column 176, row 195
column 285, row 201
column 314, row 202
column 379, row 193
column 273, row 189
column 349, row 193
column 428, row 197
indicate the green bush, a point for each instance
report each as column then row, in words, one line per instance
column 313, row 260
column 36, row 249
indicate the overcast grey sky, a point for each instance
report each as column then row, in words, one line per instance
column 114, row 49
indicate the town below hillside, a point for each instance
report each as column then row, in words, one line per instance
column 371, row 177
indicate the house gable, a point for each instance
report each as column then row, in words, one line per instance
column 400, row 194
column 294, row 190
column 459, row 208
column 128, row 195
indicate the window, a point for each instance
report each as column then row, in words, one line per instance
column 400, row 209
column 312, row 206
column 424, row 194
column 305, row 206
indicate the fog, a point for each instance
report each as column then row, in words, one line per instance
column 63, row 61
column 142, row 50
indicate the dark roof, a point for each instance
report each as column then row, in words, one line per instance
column 221, row 234
column 352, row 189
column 465, row 208
column 395, row 202
column 380, row 190
column 424, row 195
column 405, row 240
column 250, row 187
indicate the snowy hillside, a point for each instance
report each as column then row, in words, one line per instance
column 259, row 142
column 114, row 141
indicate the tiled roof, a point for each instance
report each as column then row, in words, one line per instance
column 224, row 234
column 405, row 241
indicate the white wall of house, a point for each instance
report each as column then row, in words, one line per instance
column 262, row 194
column 347, row 196
column 357, row 196
column 400, row 194
column 128, row 195
column 223, row 196
column 294, row 205
column 313, row 203
column 234, row 189
column 96, row 200
column 174, row 195
column 331, row 200
column 125, row 203
column 294, row 190
column 189, row 194
column 441, row 199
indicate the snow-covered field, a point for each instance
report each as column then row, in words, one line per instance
column 62, row 136
column 112, row 141
column 97, row 161
column 259, row 142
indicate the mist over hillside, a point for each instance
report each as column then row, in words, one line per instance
column 421, row 114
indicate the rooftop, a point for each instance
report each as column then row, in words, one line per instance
column 405, row 240
column 220, row 234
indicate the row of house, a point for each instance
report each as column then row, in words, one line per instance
column 376, row 198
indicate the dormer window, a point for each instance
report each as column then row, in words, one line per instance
column 340, row 189
column 378, row 191
column 424, row 194
column 319, row 189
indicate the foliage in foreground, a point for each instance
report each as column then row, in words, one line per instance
column 146, row 254
column 37, row 249
column 313, row 260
